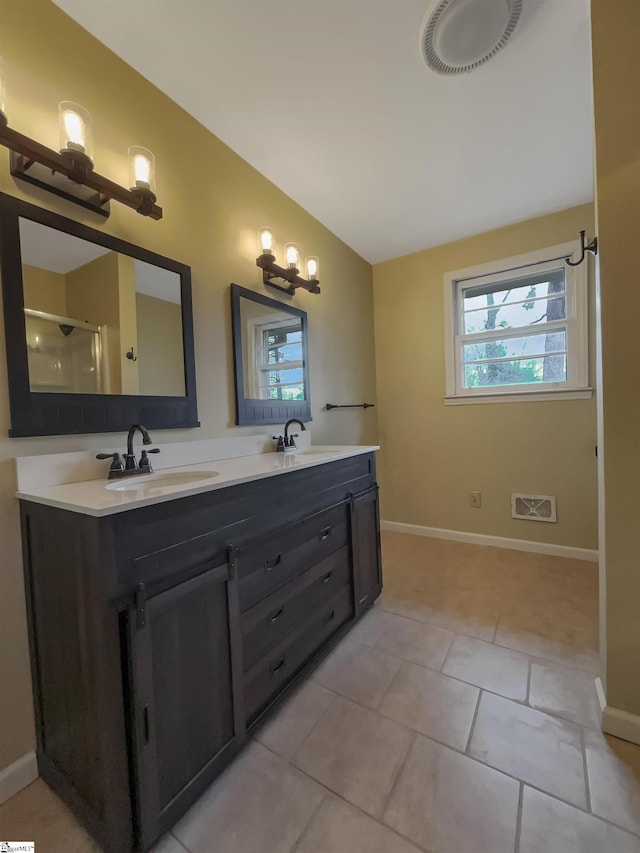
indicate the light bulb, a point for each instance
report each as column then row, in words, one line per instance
column 292, row 255
column 75, row 129
column 313, row 266
column 267, row 241
column 142, row 169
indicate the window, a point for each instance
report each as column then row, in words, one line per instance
column 517, row 329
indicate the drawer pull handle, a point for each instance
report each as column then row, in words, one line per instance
column 330, row 617
column 145, row 725
column 277, row 667
column 272, row 563
column 327, row 577
column 277, row 614
column 324, row 534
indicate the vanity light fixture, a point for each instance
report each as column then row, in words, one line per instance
column 291, row 273
column 69, row 172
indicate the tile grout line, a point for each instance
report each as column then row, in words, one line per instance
column 303, row 831
column 473, row 722
column 527, row 700
column 309, row 733
column 446, row 657
column 396, row 777
column 331, row 794
column 516, row 849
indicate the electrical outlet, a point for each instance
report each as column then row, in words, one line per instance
column 475, row 499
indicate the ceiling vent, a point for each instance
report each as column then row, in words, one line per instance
column 459, row 35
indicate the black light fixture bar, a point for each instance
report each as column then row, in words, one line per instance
column 271, row 270
column 28, row 155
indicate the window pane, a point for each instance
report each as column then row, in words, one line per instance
column 523, row 371
column 528, row 345
column 283, row 385
column 505, row 315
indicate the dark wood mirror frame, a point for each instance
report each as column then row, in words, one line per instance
column 252, row 411
column 37, row 413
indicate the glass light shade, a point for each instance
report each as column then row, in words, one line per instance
column 292, row 256
column 142, row 169
column 3, row 108
column 312, row 265
column 76, row 135
column 267, row 241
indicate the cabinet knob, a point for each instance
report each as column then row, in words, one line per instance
column 324, row 534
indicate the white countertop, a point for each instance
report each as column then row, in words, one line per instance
column 90, row 497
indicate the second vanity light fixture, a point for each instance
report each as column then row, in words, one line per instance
column 69, row 172
column 291, row 272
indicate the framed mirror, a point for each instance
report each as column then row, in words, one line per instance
column 99, row 332
column 271, row 359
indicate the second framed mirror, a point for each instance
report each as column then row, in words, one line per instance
column 271, row 359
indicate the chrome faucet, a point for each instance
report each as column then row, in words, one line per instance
column 131, row 465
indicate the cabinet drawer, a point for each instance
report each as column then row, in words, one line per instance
column 266, row 565
column 266, row 678
column 267, row 622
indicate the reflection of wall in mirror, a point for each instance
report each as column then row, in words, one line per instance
column 160, row 359
column 92, row 295
column 44, row 290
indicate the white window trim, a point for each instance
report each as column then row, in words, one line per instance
column 577, row 385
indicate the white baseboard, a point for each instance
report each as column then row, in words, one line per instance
column 494, row 541
column 621, row 724
column 17, row 776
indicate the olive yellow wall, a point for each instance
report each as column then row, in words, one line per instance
column 433, row 455
column 616, row 80
column 214, row 203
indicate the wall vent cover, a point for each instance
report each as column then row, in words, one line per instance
column 457, row 36
column 534, row 507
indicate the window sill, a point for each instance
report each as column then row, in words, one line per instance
column 518, row 397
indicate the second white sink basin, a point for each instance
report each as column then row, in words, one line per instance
column 159, row 481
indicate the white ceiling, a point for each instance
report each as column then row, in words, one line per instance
column 331, row 100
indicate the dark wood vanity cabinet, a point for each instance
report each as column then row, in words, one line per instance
column 162, row 635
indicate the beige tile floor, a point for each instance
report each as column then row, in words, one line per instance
column 459, row 716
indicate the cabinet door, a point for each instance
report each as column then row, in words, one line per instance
column 365, row 549
column 184, row 674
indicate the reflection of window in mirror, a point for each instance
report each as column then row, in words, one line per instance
column 87, row 306
column 273, row 358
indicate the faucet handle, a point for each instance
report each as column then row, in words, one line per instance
column 145, row 462
column 280, row 446
column 116, row 461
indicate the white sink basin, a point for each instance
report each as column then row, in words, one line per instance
column 159, row 481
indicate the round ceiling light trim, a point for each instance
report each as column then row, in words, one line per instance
column 457, row 36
